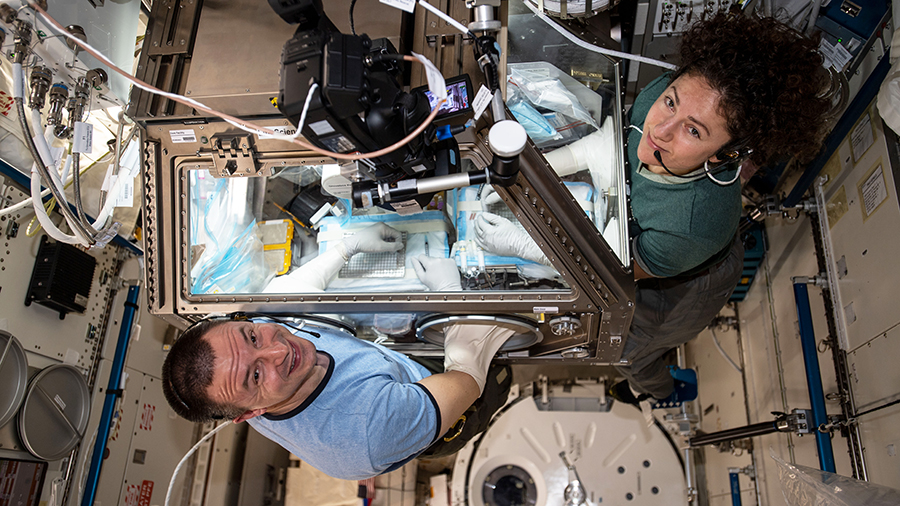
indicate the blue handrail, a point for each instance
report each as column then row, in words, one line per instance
column 735, row 488
column 112, row 392
column 813, row 377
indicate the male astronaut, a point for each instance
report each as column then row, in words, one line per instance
column 348, row 407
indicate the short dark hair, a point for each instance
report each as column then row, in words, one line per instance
column 187, row 373
column 771, row 81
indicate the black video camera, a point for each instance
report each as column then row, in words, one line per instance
column 359, row 105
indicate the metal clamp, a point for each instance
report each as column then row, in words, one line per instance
column 234, row 155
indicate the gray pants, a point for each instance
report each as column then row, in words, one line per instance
column 670, row 312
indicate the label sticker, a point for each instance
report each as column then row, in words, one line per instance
column 873, row 191
column 321, row 127
column 835, row 56
column 862, row 137
column 282, row 130
column 180, row 136
column 482, row 99
column 338, row 143
column 545, row 309
column 125, row 198
column 406, row 5
column 59, row 401
column 82, row 137
column 406, row 207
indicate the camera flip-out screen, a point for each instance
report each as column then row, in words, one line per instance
column 459, row 97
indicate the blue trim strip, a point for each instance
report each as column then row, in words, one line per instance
column 859, row 104
column 112, row 392
column 813, row 377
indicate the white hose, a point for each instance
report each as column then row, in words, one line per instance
column 45, row 220
column 21, row 205
column 188, row 455
column 44, row 149
column 39, row 210
column 722, row 351
column 597, row 49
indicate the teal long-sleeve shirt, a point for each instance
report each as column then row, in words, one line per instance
column 683, row 223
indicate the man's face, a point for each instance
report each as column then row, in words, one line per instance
column 685, row 126
column 261, row 367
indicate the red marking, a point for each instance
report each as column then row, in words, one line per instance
column 147, row 417
column 146, row 493
column 132, row 494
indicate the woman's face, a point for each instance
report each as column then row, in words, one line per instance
column 685, row 126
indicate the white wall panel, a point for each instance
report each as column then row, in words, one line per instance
column 865, row 244
column 39, row 328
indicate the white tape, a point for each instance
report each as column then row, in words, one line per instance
column 482, row 99
column 436, row 83
column 82, row 137
column 18, row 81
column 406, row 5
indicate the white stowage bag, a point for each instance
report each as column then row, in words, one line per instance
column 888, row 101
column 805, row 486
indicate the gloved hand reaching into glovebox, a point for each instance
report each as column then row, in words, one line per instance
column 500, row 236
column 316, row 274
column 469, row 348
column 488, row 198
column 377, row 238
column 437, row 273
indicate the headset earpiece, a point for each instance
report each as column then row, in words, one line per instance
column 733, row 152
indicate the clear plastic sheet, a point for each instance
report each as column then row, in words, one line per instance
column 805, row 486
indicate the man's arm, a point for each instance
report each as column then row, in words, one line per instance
column 468, row 350
column 454, row 392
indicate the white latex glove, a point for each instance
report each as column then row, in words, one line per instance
column 488, row 198
column 373, row 239
column 469, row 348
column 500, row 236
column 595, row 152
column 437, row 273
column 312, row 276
column 316, row 274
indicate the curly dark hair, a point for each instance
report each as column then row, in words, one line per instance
column 188, row 371
column 771, row 81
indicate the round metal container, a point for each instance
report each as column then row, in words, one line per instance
column 55, row 412
column 13, row 376
column 431, row 328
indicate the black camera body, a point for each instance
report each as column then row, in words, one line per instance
column 359, row 105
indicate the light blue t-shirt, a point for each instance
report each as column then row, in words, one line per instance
column 367, row 416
